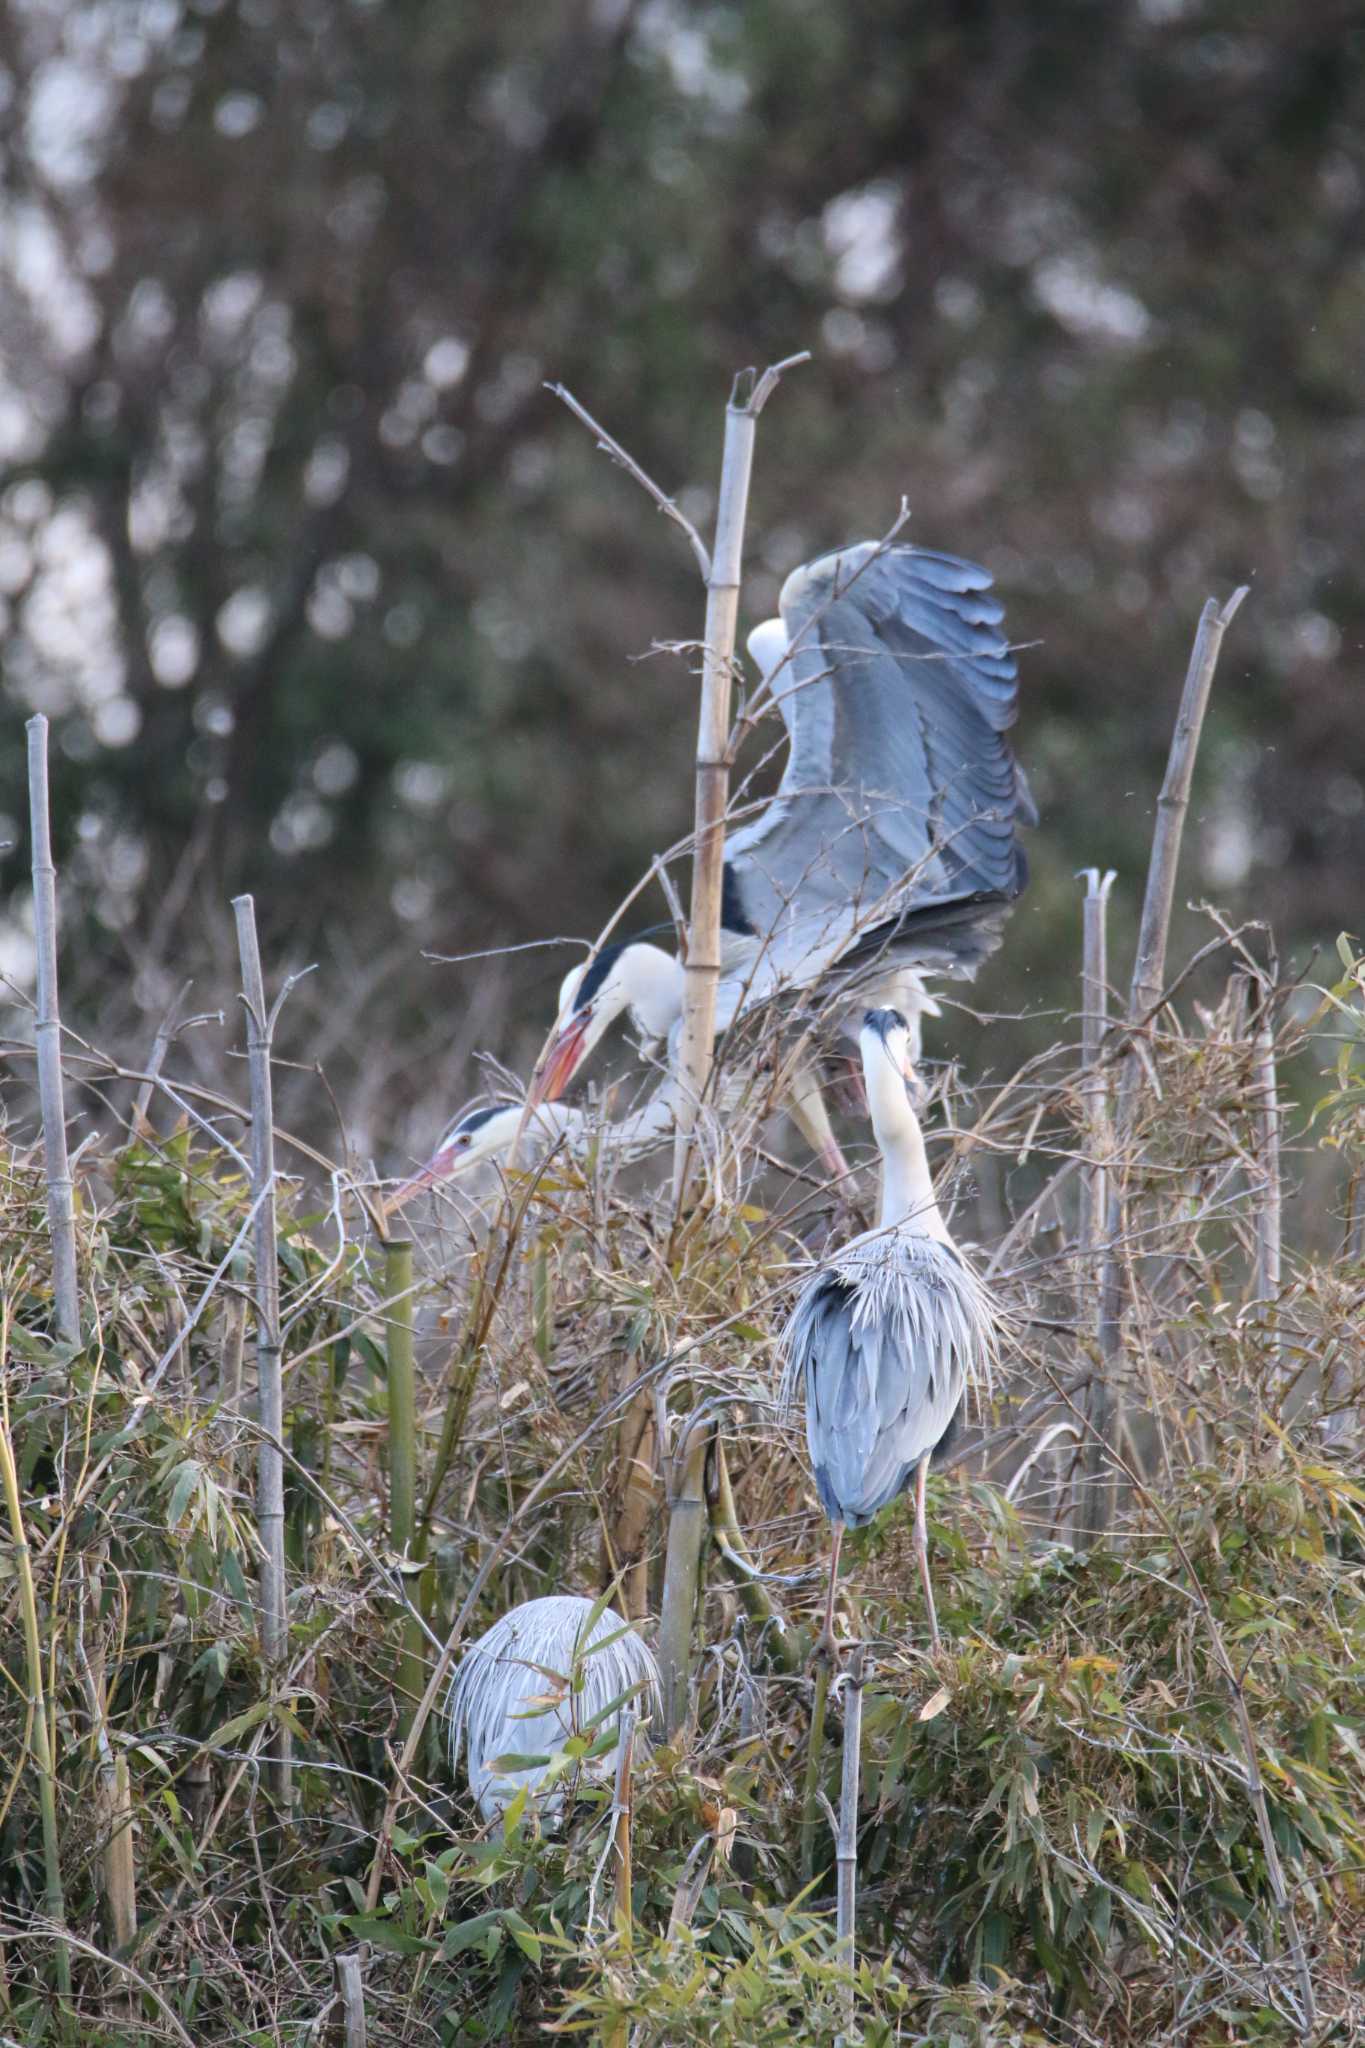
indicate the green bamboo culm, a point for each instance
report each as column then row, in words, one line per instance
column 398, row 1285
column 41, row 1736
column 810, row 1793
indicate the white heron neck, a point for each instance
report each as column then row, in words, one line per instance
column 651, row 982
column 907, row 1186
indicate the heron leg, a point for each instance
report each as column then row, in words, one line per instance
column 922, row 1548
column 826, row 1644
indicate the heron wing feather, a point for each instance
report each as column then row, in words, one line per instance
column 900, row 791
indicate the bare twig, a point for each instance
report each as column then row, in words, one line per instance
column 613, row 448
column 160, row 1045
column 47, row 1034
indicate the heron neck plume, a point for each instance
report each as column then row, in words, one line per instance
column 907, row 1186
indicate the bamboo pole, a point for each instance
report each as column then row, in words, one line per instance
column 1094, row 1205
column 1149, row 971
column 270, row 1457
column 350, row 1991
column 1269, row 1197
column 40, row 1735
column 810, row 1791
column 702, row 968
column 402, row 1376
column 846, row 1852
column 686, row 1522
column 61, row 1215
column 633, row 1497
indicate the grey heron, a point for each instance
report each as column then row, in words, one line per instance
column 888, row 1333
column 484, row 1135
column 889, row 851
column 538, row 1677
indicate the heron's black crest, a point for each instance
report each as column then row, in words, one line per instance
column 598, row 969
column 882, row 1021
column 476, row 1119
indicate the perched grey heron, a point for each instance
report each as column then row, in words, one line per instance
column 888, row 1333
column 527, row 1687
column 890, row 849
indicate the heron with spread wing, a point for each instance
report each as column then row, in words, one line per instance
column 889, row 852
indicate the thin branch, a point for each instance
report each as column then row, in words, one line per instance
column 612, row 447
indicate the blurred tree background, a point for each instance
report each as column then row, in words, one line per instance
column 328, row 598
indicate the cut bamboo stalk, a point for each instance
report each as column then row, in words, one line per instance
column 1094, row 1205
column 635, row 1439
column 846, row 1851
column 350, row 1991
column 1269, row 1197
column 47, row 1033
column 686, row 1522
column 270, row 1457
column 40, row 1735
column 398, row 1283
column 702, row 968
column 1149, row 970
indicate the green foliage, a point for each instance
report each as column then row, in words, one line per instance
column 1058, row 1838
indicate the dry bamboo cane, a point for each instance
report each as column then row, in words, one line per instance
column 270, row 1457
column 1094, row 1204
column 702, row 971
column 686, row 1522
column 402, row 1391
column 846, row 1850
column 61, row 1216
column 633, row 1501
column 1149, row 969
column 1268, row 1194
column 350, row 1991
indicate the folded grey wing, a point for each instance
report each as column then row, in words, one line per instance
column 900, row 790
column 881, row 1391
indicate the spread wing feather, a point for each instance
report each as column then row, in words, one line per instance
column 900, row 795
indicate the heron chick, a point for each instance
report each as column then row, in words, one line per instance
column 889, row 1332
column 528, row 1685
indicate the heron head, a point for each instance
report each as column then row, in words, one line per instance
column 637, row 977
column 477, row 1135
column 888, row 1032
